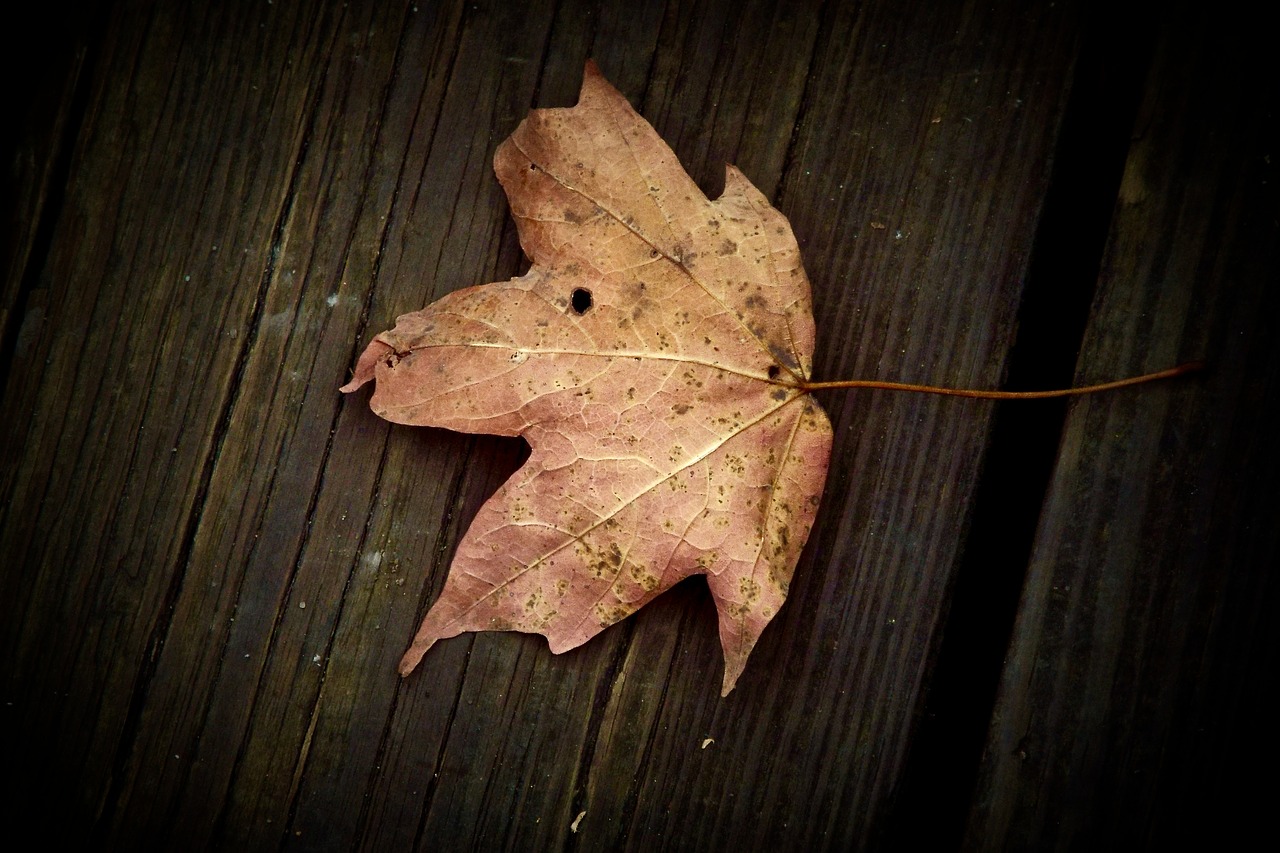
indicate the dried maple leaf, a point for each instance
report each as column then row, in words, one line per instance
column 654, row 357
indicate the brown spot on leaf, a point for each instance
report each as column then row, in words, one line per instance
column 645, row 579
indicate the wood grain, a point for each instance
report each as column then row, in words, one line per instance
column 1131, row 710
column 211, row 561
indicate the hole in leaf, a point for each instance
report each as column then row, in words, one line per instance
column 581, row 300
column 774, row 370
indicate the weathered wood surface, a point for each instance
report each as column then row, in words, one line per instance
column 1133, row 709
column 212, row 561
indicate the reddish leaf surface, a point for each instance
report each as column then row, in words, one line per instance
column 653, row 357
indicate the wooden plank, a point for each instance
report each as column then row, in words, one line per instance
column 181, row 477
column 1134, row 704
column 35, row 148
column 448, row 226
column 932, row 804
column 150, row 284
column 249, row 609
column 823, row 717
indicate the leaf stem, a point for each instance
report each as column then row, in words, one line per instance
column 1171, row 372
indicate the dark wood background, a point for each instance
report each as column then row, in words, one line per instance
column 1015, row 626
